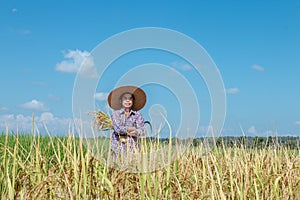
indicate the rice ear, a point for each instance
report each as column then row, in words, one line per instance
column 102, row 120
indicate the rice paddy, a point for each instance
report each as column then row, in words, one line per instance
column 45, row 167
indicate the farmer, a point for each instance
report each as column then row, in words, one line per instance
column 128, row 123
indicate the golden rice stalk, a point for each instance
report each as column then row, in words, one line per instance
column 101, row 120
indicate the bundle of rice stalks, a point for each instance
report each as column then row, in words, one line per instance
column 101, row 120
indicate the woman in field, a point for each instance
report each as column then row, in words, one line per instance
column 128, row 123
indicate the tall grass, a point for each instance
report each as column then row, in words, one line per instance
column 44, row 167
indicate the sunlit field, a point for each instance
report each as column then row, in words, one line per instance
column 44, row 167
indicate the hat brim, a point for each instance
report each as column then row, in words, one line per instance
column 139, row 97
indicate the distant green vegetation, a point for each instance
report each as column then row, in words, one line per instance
column 253, row 142
column 238, row 141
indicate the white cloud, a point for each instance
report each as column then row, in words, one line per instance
column 46, row 116
column 24, row 31
column 6, row 117
column 22, row 123
column 12, row 121
column 101, row 96
column 258, row 68
column 3, row 108
column 78, row 61
column 186, row 67
column 22, row 118
column 34, row 105
column 297, row 122
column 21, row 31
column 232, row 91
column 181, row 65
column 252, row 130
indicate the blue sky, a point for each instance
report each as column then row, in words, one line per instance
column 255, row 45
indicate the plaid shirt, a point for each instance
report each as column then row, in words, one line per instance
column 121, row 123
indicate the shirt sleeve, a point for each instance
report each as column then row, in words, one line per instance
column 140, row 125
column 117, row 124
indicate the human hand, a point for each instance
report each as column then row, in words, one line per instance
column 132, row 134
column 131, row 131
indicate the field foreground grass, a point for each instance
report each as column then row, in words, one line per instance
column 39, row 167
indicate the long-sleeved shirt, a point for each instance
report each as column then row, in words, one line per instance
column 121, row 123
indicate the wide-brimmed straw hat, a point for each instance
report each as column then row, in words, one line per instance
column 115, row 95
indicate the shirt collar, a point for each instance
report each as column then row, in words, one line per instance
column 132, row 112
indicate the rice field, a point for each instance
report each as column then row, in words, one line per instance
column 44, row 167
